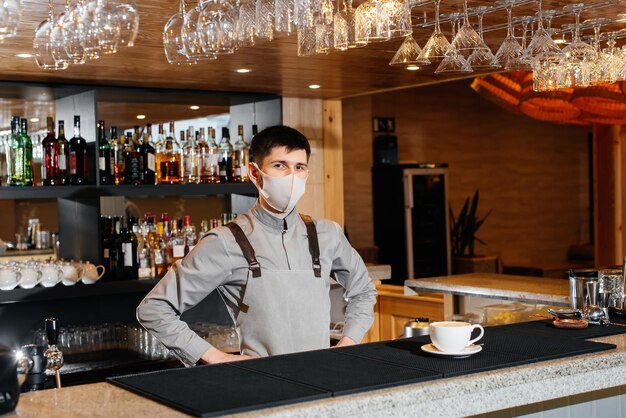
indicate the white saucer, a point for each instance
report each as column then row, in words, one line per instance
column 466, row 352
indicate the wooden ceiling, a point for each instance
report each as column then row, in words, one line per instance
column 275, row 66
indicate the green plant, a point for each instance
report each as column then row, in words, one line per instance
column 463, row 230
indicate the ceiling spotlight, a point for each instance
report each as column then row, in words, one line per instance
column 34, row 120
column 24, row 55
column 140, row 117
column 412, row 67
column 314, row 86
column 559, row 41
column 194, row 107
column 243, row 70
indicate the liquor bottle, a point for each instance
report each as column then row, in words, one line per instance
column 189, row 234
column 211, row 165
column 203, row 157
column 3, row 160
column 190, row 166
column 175, row 244
column 105, row 165
column 146, row 268
column 117, row 156
column 170, row 161
column 159, row 252
column 50, row 154
column 133, row 163
column 106, row 226
column 78, row 156
column 115, row 252
column 28, row 152
column 159, row 149
column 129, row 250
column 64, row 155
column 240, row 158
column 16, row 154
column 225, row 159
column 147, row 152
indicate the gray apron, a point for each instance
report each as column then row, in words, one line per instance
column 283, row 311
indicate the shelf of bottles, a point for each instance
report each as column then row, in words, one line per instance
column 134, row 250
column 131, row 164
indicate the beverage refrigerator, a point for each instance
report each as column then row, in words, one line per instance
column 411, row 219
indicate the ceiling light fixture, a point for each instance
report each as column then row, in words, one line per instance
column 243, row 70
column 34, row 120
column 412, row 67
column 314, row 86
column 141, row 117
column 24, row 55
column 559, row 41
column 194, row 107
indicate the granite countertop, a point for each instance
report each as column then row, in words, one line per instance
column 379, row 271
column 457, row 396
column 499, row 286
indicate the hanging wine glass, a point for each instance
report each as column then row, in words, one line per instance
column 578, row 56
column 107, row 26
column 344, row 28
column 71, row 34
column 43, row 47
column 284, row 18
column 482, row 57
column 217, row 28
column 172, row 38
column 521, row 62
column 191, row 33
column 598, row 70
column 510, row 49
column 372, row 23
column 454, row 61
column 246, row 23
column 437, row 45
column 265, row 11
column 542, row 47
column 10, row 15
column 128, row 18
column 407, row 54
column 57, row 42
column 88, row 32
column 466, row 39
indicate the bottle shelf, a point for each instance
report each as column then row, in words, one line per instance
column 69, row 192
column 79, row 290
column 47, row 192
column 179, row 189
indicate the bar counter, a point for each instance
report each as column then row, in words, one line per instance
column 584, row 379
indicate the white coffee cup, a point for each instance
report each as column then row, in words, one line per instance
column 453, row 336
column 9, row 277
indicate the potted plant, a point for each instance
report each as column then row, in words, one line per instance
column 463, row 237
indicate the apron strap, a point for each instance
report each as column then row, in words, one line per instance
column 314, row 246
column 246, row 248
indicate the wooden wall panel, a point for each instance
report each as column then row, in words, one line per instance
column 532, row 175
column 333, row 162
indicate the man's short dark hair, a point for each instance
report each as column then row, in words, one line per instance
column 277, row 136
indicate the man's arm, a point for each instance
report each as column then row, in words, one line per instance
column 360, row 292
column 188, row 282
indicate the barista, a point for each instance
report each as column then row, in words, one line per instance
column 271, row 266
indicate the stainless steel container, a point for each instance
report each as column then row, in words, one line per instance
column 421, row 326
column 577, row 289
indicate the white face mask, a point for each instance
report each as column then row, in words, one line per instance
column 281, row 193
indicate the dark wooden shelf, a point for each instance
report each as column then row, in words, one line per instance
column 179, row 189
column 47, row 192
column 79, row 290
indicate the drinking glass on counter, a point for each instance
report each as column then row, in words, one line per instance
column 611, row 280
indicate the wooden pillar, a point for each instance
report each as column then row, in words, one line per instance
column 608, row 195
column 333, row 162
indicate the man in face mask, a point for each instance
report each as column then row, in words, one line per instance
column 271, row 266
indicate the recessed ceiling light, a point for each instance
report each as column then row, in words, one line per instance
column 559, row 41
column 243, row 70
column 140, row 117
column 24, row 55
column 412, row 67
column 194, row 107
column 314, row 86
column 34, row 119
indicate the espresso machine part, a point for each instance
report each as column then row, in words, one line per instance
column 14, row 370
column 37, row 376
column 420, row 326
column 54, row 356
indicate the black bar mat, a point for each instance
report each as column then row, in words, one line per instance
column 545, row 327
column 408, row 353
column 220, row 389
column 337, row 373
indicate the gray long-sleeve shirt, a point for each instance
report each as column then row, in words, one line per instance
column 279, row 244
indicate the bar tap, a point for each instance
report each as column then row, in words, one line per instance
column 54, row 356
